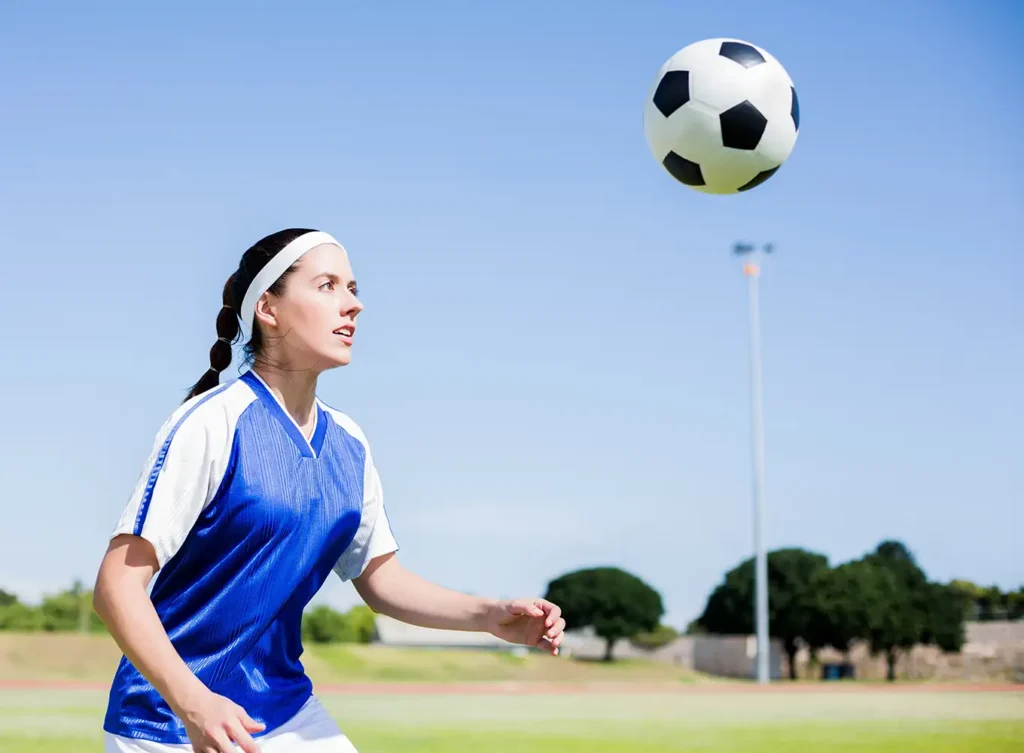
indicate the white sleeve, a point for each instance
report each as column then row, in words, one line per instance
column 374, row 536
column 182, row 475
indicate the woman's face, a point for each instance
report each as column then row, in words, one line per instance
column 313, row 322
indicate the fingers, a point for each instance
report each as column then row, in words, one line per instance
column 556, row 630
column 550, row 645
column 221, row 743
column 554, row 613
column 240, row 736
column 248, row 723
column 528, row 607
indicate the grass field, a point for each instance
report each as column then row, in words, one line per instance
column 390, row 700
column 93, row 658
column 47, row 721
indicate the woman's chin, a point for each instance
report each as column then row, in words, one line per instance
column 337, row 356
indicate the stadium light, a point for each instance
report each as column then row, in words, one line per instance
column 752, row 270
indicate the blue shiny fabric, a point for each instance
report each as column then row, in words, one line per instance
column 231, row 598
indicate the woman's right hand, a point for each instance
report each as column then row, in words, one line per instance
column 215, row 723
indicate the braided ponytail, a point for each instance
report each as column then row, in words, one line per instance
column 220, row 354
column 228, row 328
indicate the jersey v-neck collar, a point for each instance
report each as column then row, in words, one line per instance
column 308, row 447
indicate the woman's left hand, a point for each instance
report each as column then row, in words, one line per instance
column 531, row 622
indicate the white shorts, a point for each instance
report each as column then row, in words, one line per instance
column 311, row 730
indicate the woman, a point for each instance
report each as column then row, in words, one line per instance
column 254, row 492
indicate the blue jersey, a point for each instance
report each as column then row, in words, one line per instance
column 248, row 518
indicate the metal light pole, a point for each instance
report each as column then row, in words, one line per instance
column 752, row 270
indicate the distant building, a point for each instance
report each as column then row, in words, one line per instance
column 992, row 651
column 582, row 644
column 392, row 632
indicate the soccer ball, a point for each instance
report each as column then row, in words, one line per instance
column 721, row 116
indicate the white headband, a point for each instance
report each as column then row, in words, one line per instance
column 276, row 267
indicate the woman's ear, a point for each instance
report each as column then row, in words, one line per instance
column 266, row 311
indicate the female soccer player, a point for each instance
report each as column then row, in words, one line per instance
column 254, row 492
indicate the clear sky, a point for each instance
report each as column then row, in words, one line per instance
column 552, row 365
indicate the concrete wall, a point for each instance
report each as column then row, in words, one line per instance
column 733, row 656
column 725, row 656
column 993, row 651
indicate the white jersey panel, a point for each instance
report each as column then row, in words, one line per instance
column 190, row 457
column 374, row 537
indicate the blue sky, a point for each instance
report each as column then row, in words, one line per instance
column 552, row 365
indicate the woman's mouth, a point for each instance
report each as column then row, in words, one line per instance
column 346, row 333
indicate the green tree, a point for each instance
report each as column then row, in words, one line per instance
column 901, row 587
column 362, row 623
column 1015, row 604
column 944, row 607
column 791, row 606
column 988, row 603
column 324, row 625
column 693, row 627
column 70, row 610
column 842, row 605
column 917, row 611
column 895, row 557
column 17, row 616
column 617, row 604
column 660, row 636
column 897, row 619
column 970, row 594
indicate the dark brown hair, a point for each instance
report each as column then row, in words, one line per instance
column 228, row 318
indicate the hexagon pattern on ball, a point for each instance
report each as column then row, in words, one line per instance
column 721, row 116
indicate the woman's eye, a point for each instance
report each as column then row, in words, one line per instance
column 354, row 291
column 327, row 285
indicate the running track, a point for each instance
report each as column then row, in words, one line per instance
column 420, row 688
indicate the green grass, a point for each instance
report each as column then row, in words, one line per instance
column 874, row 721
column 93, row 658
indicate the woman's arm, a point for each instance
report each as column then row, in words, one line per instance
column 390, row 589
column 121, row 601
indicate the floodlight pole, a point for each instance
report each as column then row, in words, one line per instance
column 752, row 271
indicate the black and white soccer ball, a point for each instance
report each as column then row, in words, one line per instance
column 721, row 116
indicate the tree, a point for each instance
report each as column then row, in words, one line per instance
column 988, row 603
column 918, row 611
column 897, row 559
column 944, row 607
column 897, row 619
column 324, row 625
column 900, row 587
column 1015, row 604
column 971, row 595
column 70, row 610
column 866, row 600
column 617, row 604
column 660, row 636
column 17, row 616
column 791, row 606
column 362, row 623
column 842, row 604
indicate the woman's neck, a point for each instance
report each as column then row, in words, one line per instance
column 296, row 390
